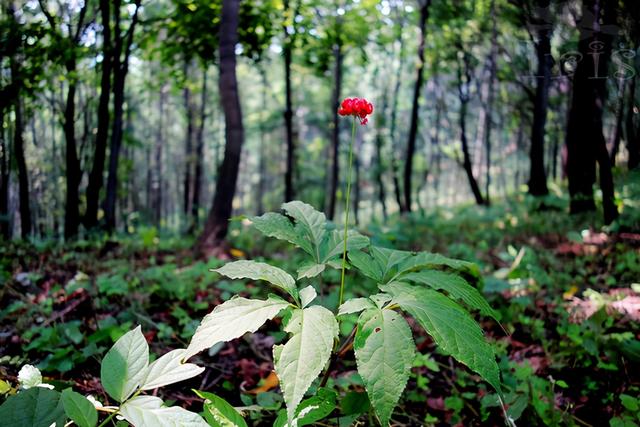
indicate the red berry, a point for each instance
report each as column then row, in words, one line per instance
column 356, row 107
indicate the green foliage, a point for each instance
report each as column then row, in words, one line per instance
column 35, row 407
column 384, row 351
column 79, row 409
column 383, row 343
column 300, row 360
column 125, row 365
column 218, row 412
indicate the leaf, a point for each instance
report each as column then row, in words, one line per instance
column 366, row 264
column 267, row 384
column 307, row 295
column 125, row 365
column 423, row 260
column 310, row 410
column 313, row 223
column 169, row 369
column 260, row 271
column 629, row 402
column 279, row 226
column 231, row 320
column 333, row 244
column 355, row 305
column 355, row 402
column 317, row 407
column 309, row 271
column 380, row 299
column 143, row 411
column 451, row 327
column 35, row 407
column 379, row 263
column 300, row 360
column 219, row 413
column 385, row 351
column 455, row 286
column 79, row 409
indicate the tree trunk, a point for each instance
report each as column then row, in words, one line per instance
column 392, row 127
column 262, row 162
column 585, row 139
column 18, row 152
column 5, row 220
column 488, row 118
column 413, row 128
column 335, row 101
column 120, row 69
column 188, row 147
column 287, row 48
column 217, row 225
column 96, row 176
column 158, row 182
column 467, row 164
column 73, row 172
column 197, row 178
column 379, row 145
column 616, row 135
column 537, row 177
column 463, row 94
column 632, row 132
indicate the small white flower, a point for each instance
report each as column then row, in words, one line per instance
column 29, row 376
column 94, row 401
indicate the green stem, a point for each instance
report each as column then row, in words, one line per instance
column 109, row 418
column 347, row 199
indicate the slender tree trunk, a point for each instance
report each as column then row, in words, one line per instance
column 538, row 178
column 5, row 220
column 467, row 165
column 73, row 172
column 262, row 162
column 335, row 102
column 217, row 224
column 379, row 145
column 463, row 94
column 96, row 176
column 392, row 127
column 188, row 151
column 632, row 132
column 18, row 153
column 287, row 48
column 120, row 69
column 149, row 181
column 413, row 127
column 488, row 123
column 158, row 182
column 585, row 139
column 616, row 135
column 197, row 178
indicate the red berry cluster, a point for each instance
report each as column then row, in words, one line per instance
column 357, row 107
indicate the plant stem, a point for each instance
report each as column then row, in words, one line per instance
column 104, row 423
column 346, row 211
column 346, row 345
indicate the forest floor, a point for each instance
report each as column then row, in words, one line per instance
column 568, row 294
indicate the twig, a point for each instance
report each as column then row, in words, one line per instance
column 346, row 346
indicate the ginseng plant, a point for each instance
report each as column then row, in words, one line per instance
column 434, row 290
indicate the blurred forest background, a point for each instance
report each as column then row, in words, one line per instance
column 113, row 112
column 139, row 137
